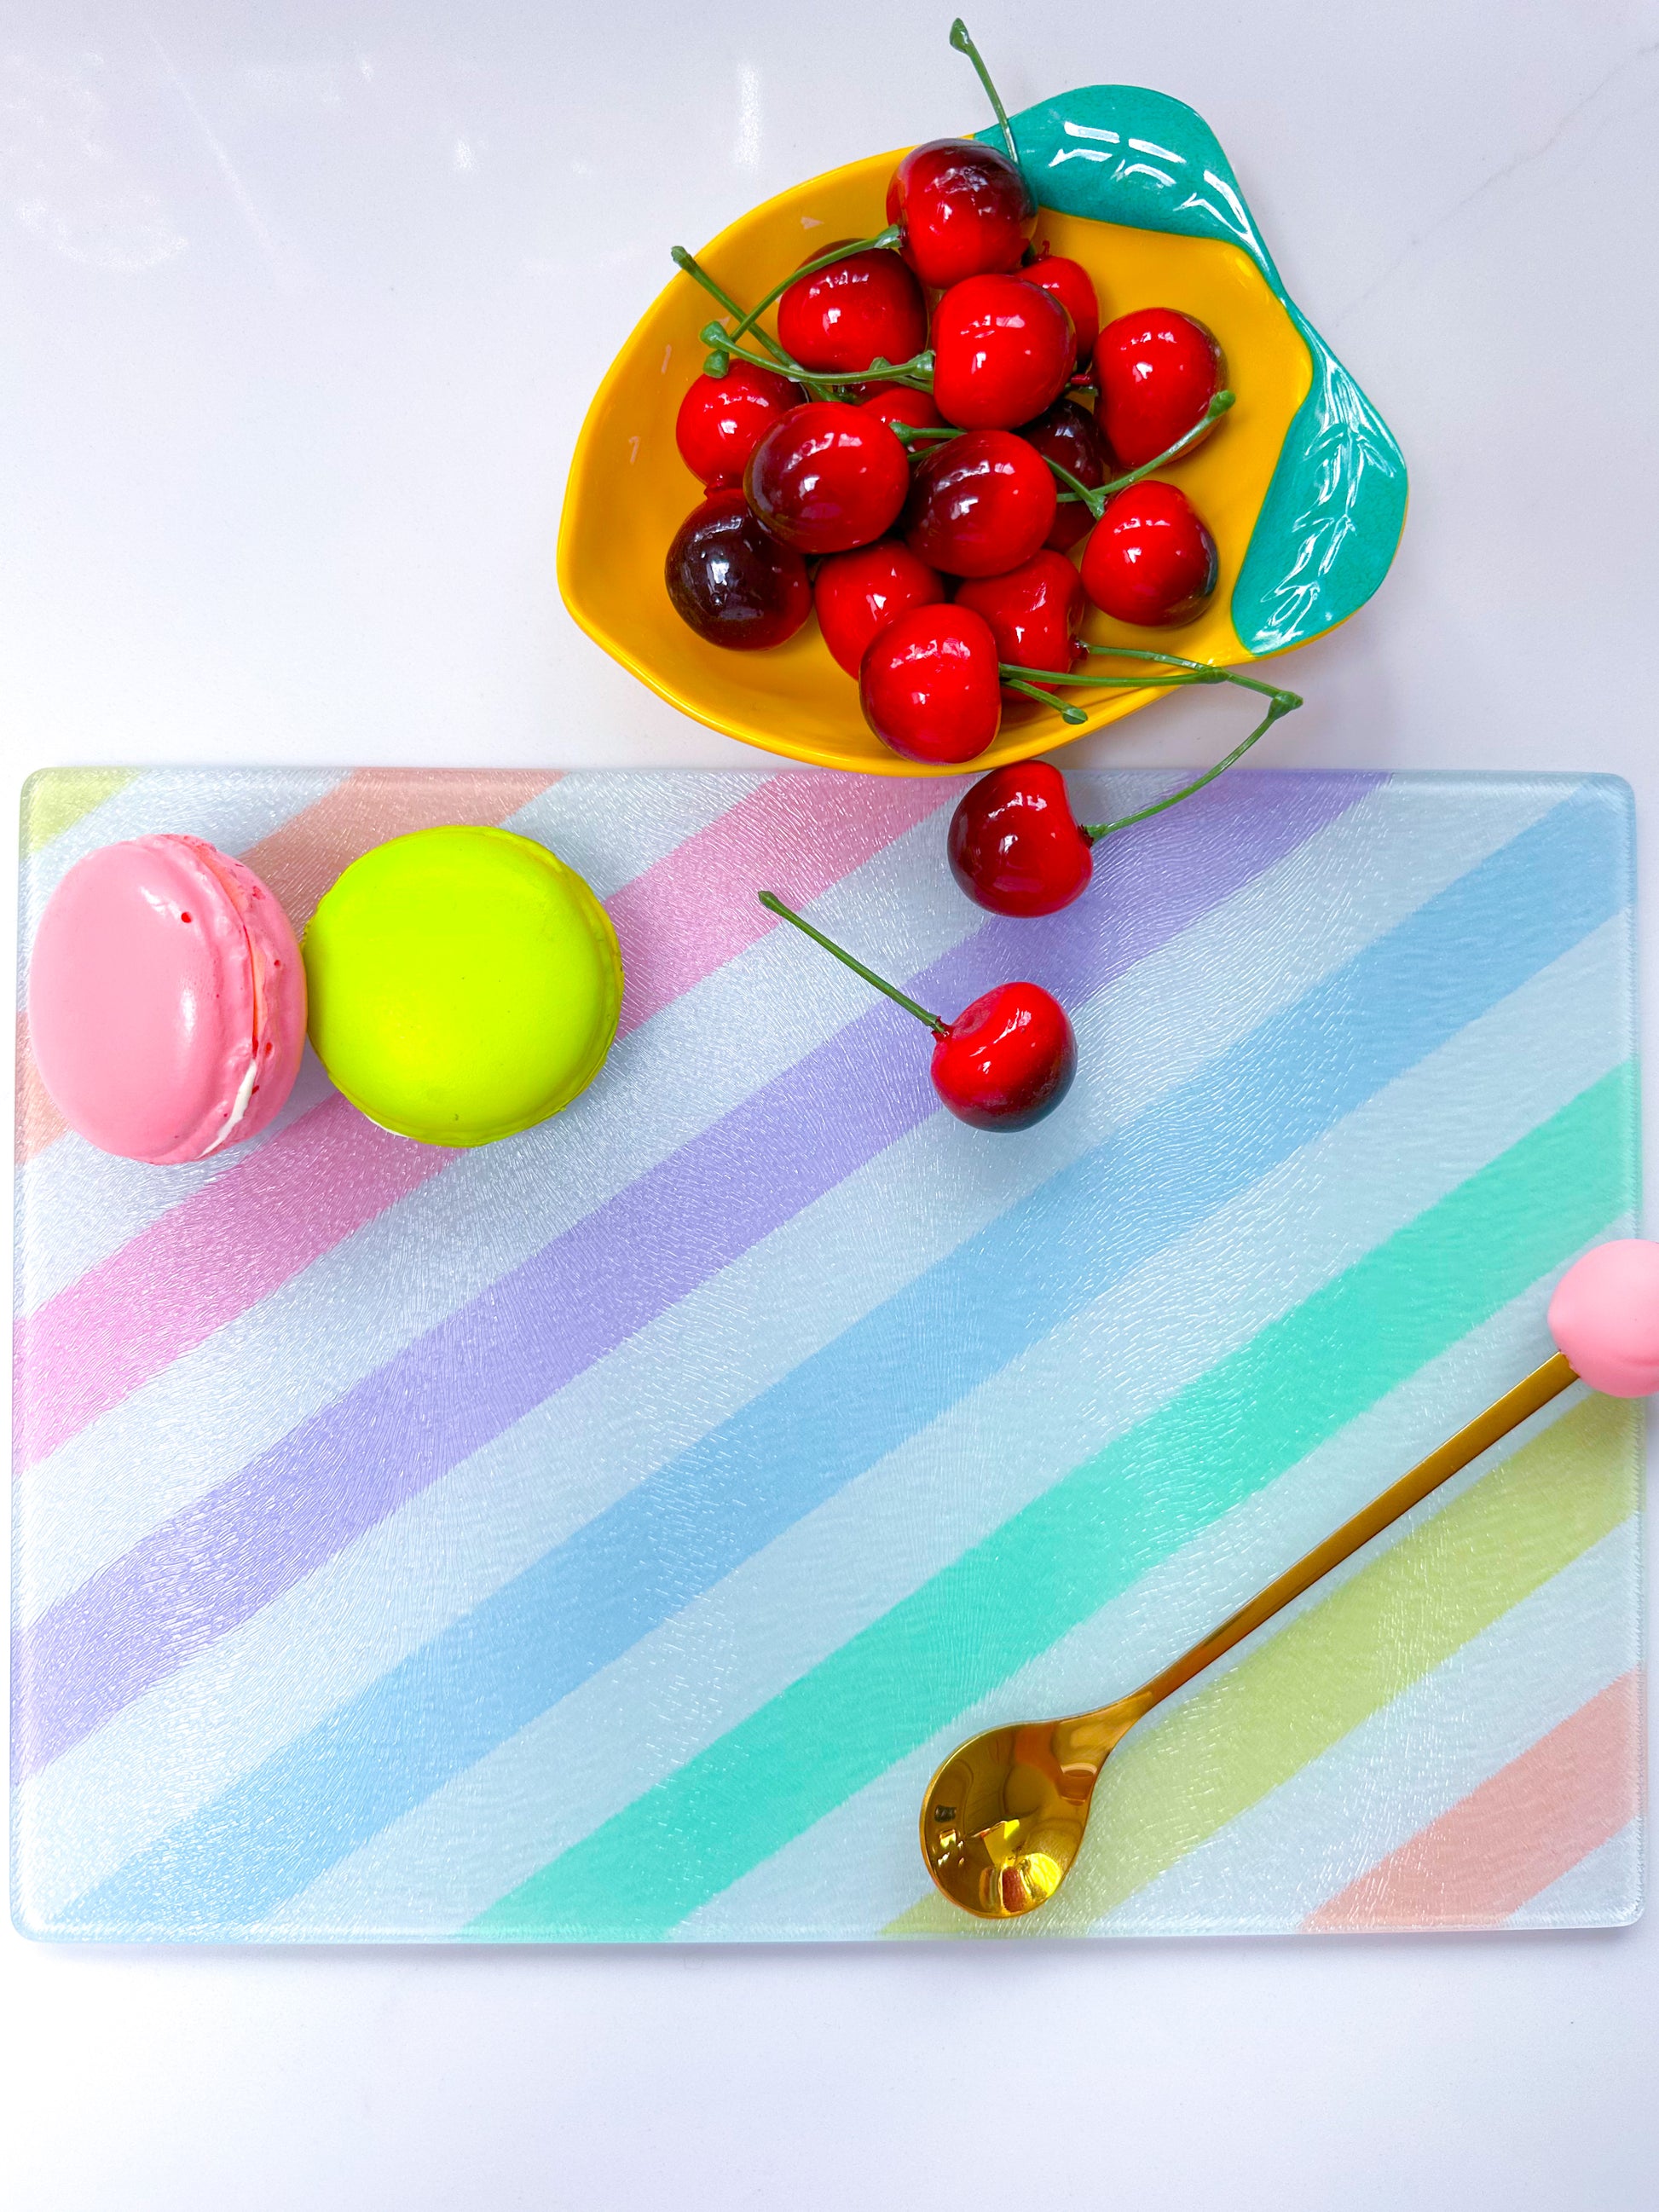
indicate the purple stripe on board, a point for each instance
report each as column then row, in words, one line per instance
column 214, row 1565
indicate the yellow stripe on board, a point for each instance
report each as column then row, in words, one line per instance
column 54, row 799
column 1176, row 1783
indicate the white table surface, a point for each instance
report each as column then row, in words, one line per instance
column 303, row 304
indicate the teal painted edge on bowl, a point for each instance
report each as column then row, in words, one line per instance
column 1336, row 505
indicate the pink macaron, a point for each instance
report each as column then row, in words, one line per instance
column 167, row 1000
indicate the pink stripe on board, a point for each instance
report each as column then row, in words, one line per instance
column 328, row 1173
column 796, row 835
column 1523, row 1828
column 298, row 862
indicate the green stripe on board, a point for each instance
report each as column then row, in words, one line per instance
column 1171, row 1788
column 55, row 798
column 1082, row 1543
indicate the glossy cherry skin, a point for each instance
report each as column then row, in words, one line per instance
column 928, row 686
column 1002, row 352
column 1150, row 559
column 1157, row 371
column 723, row 418
column 732, row 582
column 1033, row 612
column 1015, row 846
column 979, row 504
column 963, row 209
column 839, row 318
column 1075, row 287
column 1007, row 1060
column 826, row 476
column 1069, row 434
column 902, row 403
column 858, row 594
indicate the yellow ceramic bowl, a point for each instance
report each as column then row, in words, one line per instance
column 629, row 491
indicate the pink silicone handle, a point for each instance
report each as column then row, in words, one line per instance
column 1605, row 1317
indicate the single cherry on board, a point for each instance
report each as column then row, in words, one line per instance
column 1014, row 845
column 1149, row 559
column 826, row 476
column 1074, row 286
column 979, row 504
column 1157, row 371
column 732, row 582
column 1002, row 351
column 930, row 686
column 723, row 418
column 840, row 317
column 1005, row 1062
column 1070, row 435
column 1033, row 611
column 857, row 594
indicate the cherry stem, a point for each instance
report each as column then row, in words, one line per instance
column 965, row 45
column 1096, row 500
column 694, row 268
column 1279, row 703
column 934, row 1021
column 917, row 373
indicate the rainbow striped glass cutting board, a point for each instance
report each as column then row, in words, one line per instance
column 601, row 1535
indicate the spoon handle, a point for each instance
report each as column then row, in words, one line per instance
column 1544, row 1384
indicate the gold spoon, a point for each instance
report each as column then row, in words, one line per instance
column 1003, row 1818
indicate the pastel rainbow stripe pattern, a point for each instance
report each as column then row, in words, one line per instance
column 599, row 1536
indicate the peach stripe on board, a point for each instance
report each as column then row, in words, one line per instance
column 1520, row 1830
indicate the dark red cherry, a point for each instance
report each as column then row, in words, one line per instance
column 903, row 403
column 1149, row 559
column 731, row 581
column 723, row 418
column 839, row 318
column 1003, row 1063
column 1002, row 352
column 1007, row 1060
column 1157, row 371
column 1015, row 846
column 1033, row 611
column 963, row 209
column 929, row 686
column 1075, row 287
column 1069, row 434
column 827, row 476
column 858, row 594
column 981, row 503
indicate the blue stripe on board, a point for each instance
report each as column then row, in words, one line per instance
column 684, row 1528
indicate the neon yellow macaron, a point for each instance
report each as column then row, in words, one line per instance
column 464, row 983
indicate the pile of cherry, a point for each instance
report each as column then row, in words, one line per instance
column 918, row 430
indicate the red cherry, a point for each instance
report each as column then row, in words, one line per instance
column 1149, row 559
column 734, row 584
column 857, row 594
column 1074, row 286
column 840, row 317
column 827, row 475
column 929, row 687
column 1033, row 611
column 981, row 503
column 1014, row 845
column 1158, row 371
column 1070, row 435
column 964, row 210
column 1007, row 1060
column 1002, row 352
column 723, row 418
column 903, row 403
